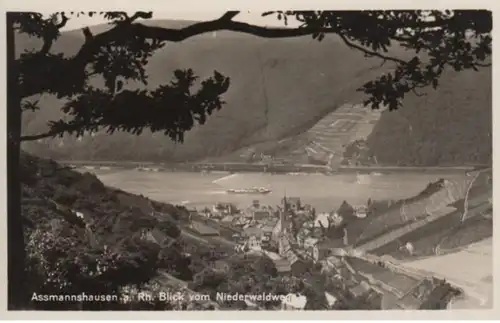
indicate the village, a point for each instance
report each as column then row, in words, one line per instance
column 351, row 254
column 275, row 230
column 302, row 243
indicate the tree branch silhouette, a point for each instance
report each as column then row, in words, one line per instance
column 457, row 39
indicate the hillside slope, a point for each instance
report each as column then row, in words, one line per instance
column 84, row 237
column 450, row 126
column 278, row 88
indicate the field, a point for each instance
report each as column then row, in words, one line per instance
column 447, row 232
column 400, row 282
column 279, row 90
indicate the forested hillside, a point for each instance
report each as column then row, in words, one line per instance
column 450, row 126
column 280, row 87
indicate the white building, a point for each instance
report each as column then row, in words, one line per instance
column 361, row 211
column 255, row 243
column 294, row 302
column 330, row 299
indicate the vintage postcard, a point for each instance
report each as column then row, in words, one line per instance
column 322, row 161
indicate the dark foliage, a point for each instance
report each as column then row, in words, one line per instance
column 440, row 297
column 170, row 229
column 245, row 274
column 346, row 210
column 448, row 127
column 81, row 239
column 358, row 153
column 170, row 108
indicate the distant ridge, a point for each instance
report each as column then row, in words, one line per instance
column 306, row 80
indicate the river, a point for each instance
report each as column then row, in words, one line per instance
column 324, row 192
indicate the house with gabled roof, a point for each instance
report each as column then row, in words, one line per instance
column 268, row 228
column 298, row 264
column 282, row 265
column 228, row 219
column 327, row 247
column 204, row 229
column 155, row 236
column 252, row 231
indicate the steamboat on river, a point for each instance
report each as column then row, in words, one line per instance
column 252, row 190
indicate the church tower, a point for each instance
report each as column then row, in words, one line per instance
column 284, row 214
column 283, row 227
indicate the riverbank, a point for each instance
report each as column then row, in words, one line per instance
column 263, row 168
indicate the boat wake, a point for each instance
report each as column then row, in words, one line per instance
column 225, row 178
column 216, row 192
column 296, row 174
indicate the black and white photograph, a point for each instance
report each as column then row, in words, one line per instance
column 280, row 160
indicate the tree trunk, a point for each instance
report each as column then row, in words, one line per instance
column 16, row 246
